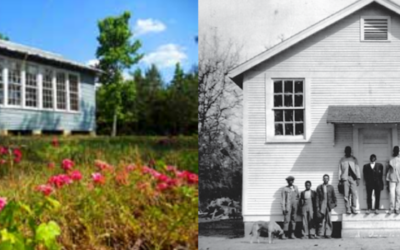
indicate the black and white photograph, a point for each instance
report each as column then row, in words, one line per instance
column 299, row 113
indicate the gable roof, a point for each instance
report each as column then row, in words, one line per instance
column 237, row 73
column 26, row 51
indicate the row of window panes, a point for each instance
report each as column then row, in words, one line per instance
column 31, row 88
column 287, row 86
column 289, row 128
column 289, row 122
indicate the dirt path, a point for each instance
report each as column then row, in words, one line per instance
column 221, row 243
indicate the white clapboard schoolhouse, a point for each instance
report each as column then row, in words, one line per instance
column 333, row 85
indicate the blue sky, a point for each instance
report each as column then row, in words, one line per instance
column 69, row 27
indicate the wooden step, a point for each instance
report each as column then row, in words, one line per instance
column 370, row 225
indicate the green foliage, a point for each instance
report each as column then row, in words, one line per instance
column 46, row 233
column 116, row 53
column 128, row 209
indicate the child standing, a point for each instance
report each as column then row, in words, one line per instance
column 307, row 208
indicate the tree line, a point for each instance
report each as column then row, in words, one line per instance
column 150, row 106
column 145, row 104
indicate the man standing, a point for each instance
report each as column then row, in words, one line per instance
column 393, row 179
column 326, row 201
column 349, row 174
column 308, row 207
column 290, row 201
column 373, row 177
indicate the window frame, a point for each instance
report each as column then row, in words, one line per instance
column 78, row 91
column 362, row 36
column 2, row 76
column 270, row 111
column 41, row 67
column 25, row 70
column 43, row 72
column 22, row 84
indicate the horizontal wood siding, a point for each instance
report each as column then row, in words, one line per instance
column 343, row 71
column 23, row 119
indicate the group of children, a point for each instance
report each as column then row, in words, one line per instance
column 314, row 207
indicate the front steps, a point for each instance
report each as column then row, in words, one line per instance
column 361, row 225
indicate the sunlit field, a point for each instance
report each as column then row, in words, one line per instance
column 98, row 193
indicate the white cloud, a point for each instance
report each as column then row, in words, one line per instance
column 127, row 76
column 144, row 26
column 92, row 62
column 166, row 56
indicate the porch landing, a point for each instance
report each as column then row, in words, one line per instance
column 371, row 225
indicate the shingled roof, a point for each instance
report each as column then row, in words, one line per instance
column 26, row 51
column 364, row 114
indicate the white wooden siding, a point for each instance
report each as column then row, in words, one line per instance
column 343, row 71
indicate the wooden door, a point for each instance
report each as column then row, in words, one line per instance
column 376, row 141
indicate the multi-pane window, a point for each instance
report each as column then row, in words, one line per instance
column 61, row 90
column 31, row 86
column 47, row 89
column 73, row 92
column 14, row 83
column 289, row 107
column 1, row 82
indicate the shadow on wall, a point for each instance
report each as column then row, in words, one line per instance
column 317, row 158
column 49, row 120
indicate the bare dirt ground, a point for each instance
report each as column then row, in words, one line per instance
column 229, row 235
column 223, row 243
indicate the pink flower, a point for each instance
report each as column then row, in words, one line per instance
column 2, row 161
column 162, row 186
column 3, row 150
column 171, row 168
column 173, row 182
column 17, row 155
column 67, row 164
column 3, row 202
column 60, row 180
column 163, row 178
column 46, row 189
column 98, row 178
column 55, row 142
column 75, row 175
column 130, row 167
column 192, row 178
column 104, row 166
column 51, row 165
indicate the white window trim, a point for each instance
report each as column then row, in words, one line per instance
column 270, row 116
column 374, row 17
column 39, row 89
column 79, row 92
column 38, row 85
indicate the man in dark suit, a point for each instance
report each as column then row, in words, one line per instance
column 373, row 177
column 326, row 201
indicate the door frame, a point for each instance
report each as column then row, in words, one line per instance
column 356, row 131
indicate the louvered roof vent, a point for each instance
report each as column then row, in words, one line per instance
column 375, row 28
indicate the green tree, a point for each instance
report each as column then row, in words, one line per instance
column 150, row 102
column 183, row 101
column 115, row 53
column 4, row 37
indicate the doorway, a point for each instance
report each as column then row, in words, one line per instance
column 376, row 141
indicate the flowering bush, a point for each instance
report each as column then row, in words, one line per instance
column 93, row 204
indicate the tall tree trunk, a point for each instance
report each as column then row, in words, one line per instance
column 114, row 127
